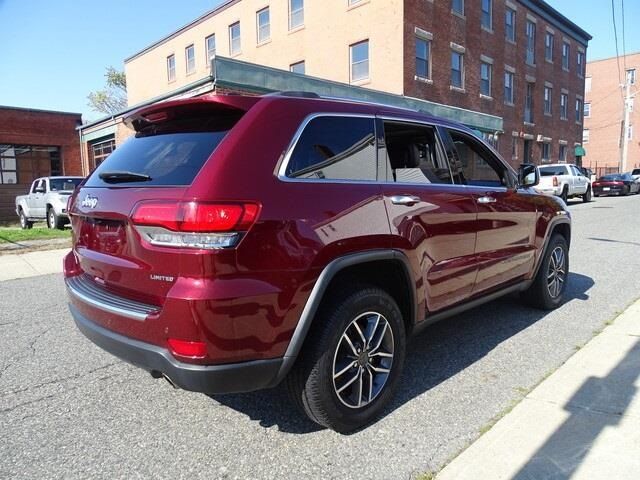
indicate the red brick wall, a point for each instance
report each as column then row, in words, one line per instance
column 436, row 18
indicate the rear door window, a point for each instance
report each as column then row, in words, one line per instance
column 414, row 155
column 335, row 148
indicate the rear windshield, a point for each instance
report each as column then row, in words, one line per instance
column 550, row 171
column 611, row 177
column 64, row 184
column 169, row 153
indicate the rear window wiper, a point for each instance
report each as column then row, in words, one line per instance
column 123, row 176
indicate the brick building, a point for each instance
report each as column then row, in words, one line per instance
column 604, row 114
column 34, row 143
column 519, row 60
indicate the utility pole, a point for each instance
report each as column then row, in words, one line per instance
column 625, row 125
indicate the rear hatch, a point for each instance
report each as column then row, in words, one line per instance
column 549, row 175
column 155, row 168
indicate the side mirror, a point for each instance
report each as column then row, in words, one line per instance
column 528, row 175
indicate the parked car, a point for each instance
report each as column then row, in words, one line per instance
column 565, row 181
column 616, row 184
column 228, row 252
column 46, row 200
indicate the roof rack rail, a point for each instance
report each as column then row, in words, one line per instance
column 293, row 93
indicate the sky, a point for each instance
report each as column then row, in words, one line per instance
column 54, row 52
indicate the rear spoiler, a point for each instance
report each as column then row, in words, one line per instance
column 202, row 105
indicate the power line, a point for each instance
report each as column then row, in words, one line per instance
column 615, row 36
column 624, row 48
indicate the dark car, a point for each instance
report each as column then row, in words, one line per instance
column 616, row 184
column 237, row 242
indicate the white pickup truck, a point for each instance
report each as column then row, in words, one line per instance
column 46, row 200
column 565, row 181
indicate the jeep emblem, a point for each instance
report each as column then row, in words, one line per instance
column 89, row 202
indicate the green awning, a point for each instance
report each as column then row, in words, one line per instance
column 580, row 151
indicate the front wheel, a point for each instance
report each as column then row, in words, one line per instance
column 53, row 220
column 586, row 198
column 547, row 290
column 25, row 224
column 352, row 360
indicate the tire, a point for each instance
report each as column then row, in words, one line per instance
column 53, row 220
column 565, row 194
column 625, row 191
column 543, row 293
column 25, row 224
column 345, row 406
column 586, row 198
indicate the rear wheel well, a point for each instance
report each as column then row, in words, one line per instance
column 389, row 275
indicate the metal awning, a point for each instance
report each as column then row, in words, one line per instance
column 236, row 74
column 580, row 151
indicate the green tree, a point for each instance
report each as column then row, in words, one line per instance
column 113, row 97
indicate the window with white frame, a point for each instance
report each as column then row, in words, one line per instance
column 210, row 48
column 296, row 13
column 485, row 78
column 531, row 42
column 423, row 58
column 487, row 14
column 579, row 109
column 509, row 87
column 580, row 64
column 359, row 53
column 549, row 41
column 190, row 59
column 510, row 24
column 457, row 6
column 457, row 69
column 298, row 67
column 566, row 51
column 263, row 24
column 548, row 100
column 235, row 45
column 546, row 152
column 562, row 153
column 564, row 106
column 585, row 136
column 171, row 68
column 587, row 109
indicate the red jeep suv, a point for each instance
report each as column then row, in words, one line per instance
column 237, row 242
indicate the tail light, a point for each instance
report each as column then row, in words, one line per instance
column 194, row 224
column 617, row 183
column 188, row 349
column 555, row 181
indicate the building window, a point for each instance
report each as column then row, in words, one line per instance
column 359, row 61
column 263, row 25
column 457, row 6
column 190, row 59
column 296, row 13
column 564, row 106
column 548, row 100
column 423, row 54
column 297, row 67
column 8, row 165
column 579, row 110
column 587, row 84
column 210, row 47
column 457, row 70
column 100, row 151
column 580, row 64
column 171, row 68
column 546, row 152
column 566, row 51
column 510, row 24
column 549, row 40
column 631, row 76
column 562, row 153
column 234, row 39
column 487, row 14
column 531, row 43
column 508, row 88
column 528, row 104
column 585, row 136
column 587, row 110
column 485, row 79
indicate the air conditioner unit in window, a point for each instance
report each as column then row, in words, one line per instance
column 540, row 139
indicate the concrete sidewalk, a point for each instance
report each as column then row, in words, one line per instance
column 583, row 422
column 21, row 265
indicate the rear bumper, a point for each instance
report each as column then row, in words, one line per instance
column 609, row 190
column 210, row 379
column 548, row 190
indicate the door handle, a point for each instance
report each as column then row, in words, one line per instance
column 486, row 199
column 407, row 200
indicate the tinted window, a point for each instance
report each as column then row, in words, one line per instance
column 551, row 171
column 413, row 154
column 611, row 177
column 338, row 148
column 636, row 171
column 474, row 164
column 64, row 184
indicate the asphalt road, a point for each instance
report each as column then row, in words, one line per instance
column 68, row 410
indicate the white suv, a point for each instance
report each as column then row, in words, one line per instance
column 564, row 181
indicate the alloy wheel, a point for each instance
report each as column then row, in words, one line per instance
column 363, row 359
column 556, row 274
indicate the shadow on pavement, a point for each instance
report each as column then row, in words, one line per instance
column 438, row 353
column 566, row 449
